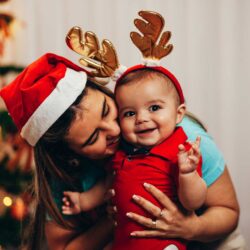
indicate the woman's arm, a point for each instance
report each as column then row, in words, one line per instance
column 222, row 210
column 59, row 238
column 220, row 217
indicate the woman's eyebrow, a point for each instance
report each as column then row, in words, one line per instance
column 103, row 107
column 95, row 131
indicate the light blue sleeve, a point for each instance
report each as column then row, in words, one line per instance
column 213, row 163
column 91, row 176
column 87, row 178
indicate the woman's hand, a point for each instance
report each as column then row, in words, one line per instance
column 111, row 209
column 170, row 222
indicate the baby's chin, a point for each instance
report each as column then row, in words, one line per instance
column 149, row 144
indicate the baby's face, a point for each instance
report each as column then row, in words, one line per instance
column 148, row 111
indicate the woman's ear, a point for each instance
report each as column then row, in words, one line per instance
column 181, row 110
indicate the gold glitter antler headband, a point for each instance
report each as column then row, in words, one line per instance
column 104, row 61
column 151, row 30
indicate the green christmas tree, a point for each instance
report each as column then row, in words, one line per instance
column 15, row 178
column 16, row 158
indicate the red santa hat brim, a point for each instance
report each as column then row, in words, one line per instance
column 42, row 93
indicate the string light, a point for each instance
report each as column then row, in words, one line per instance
column 7, row 201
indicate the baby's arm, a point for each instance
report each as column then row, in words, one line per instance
column 75, row 202
column 71, row 202
column 192, row 188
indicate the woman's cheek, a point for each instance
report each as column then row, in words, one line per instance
column 95, row 151
column 101, row 146
column 113, row 109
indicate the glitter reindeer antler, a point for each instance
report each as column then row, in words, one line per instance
column 151, row 30
column 104, row 61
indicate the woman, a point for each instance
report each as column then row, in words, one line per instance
column 49, row 101
column 71, row 122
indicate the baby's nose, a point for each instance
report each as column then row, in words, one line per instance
column 141, row 117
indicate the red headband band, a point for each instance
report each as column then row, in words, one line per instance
column 159, row 69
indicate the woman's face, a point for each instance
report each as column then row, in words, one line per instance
column 95, row 132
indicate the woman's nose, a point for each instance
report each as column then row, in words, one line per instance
column 111, row 128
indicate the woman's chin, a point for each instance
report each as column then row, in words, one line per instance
column 111, row 151
column 104, row 156
column 112, row 148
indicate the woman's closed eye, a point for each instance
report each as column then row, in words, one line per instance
column 154, row 108
column 95, row 135
column 106, row 109
column 93, row 138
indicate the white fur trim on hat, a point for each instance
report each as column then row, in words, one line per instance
column 151, row 62
column 59, row 100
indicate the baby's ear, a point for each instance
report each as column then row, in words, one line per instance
column 181, row 110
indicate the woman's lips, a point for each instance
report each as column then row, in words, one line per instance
column 113, row 142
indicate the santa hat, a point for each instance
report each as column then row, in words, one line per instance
column 42, row 93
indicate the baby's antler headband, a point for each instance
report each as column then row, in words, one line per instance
column 152, row 49
column 103, row 60
column 151, row 31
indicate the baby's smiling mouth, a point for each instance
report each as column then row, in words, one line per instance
column 144, row 131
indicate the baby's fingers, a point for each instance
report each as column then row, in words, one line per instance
column 193, row 159
column 196, row 146
column 198, row 141
column 67, row 193
column 66, row 201
column 181, row 148
column 66, row 210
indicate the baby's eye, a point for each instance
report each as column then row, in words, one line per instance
column 154, row 108
column 128, row 114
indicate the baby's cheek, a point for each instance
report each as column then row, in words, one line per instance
column 130, row 138
column 127, row 130
column 125, row 127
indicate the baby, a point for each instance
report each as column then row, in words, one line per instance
column 153, row 150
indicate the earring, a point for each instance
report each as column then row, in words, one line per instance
column 74, row 162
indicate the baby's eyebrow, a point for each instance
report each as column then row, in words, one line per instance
column 156, row 101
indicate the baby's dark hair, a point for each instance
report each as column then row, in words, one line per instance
column 147, row 73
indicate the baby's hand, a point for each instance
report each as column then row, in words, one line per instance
column 71, row 203
column 188, row 160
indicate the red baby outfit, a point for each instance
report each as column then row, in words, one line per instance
column 159, row 167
